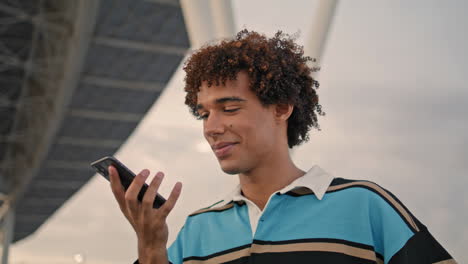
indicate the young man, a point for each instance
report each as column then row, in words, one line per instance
column 256, row 99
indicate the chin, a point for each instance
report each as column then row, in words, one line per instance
column 231, row 171
column 229, row 167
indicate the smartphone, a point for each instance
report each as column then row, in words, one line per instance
column 126, row 177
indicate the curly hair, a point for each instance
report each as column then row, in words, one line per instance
column 277, row 70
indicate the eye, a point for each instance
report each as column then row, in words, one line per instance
column 231, row 110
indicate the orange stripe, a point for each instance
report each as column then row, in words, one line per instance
column 223, row 258
column 227, row 206
column 317, row 246
column 293, row 247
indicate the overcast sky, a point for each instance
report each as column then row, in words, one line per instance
column 393, row 86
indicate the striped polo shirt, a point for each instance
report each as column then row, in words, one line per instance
column 315, row 219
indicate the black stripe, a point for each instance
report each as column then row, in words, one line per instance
column 422, row 248
column 340, row 181
column 314, row 240
column 285, row 242
column 306, row 257
column 243, row 260
column 224, row 252
column 300, row 258
column 319, row 240
column 292, row 193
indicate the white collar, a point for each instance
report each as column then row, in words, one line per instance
column 316, row 179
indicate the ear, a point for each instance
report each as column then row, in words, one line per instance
column 283, row 111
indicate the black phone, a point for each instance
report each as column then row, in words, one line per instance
column 126, row 177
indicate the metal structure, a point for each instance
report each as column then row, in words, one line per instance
column 76, row 78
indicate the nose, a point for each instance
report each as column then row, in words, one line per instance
column 213, row 125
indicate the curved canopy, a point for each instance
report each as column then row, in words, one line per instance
column 76, row 78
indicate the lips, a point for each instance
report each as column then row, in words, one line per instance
column 223, row 149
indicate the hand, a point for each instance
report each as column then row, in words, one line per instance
column 149, row 223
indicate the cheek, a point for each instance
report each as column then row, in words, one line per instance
column 255, row 131
column 258, row 136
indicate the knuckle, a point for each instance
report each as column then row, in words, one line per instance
column 165, row 210
column 129, row 197
column 146, row 202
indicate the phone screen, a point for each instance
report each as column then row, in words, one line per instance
column 126, row 177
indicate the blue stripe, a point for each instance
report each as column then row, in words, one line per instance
column 212, row 232
column 354, row 214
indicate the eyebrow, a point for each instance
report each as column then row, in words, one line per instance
column 224, row 100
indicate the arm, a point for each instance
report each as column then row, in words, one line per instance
column 421, row 248
column 400, row 237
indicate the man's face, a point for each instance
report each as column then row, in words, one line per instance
column 241, row 132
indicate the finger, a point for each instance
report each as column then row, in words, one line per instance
column 151, row 192
column 116, row 187
column 131, row 195
column 119, row 192
column 167, row 207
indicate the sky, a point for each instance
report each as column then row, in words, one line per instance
column 393, row 86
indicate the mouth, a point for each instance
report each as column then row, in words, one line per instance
column 223, row 150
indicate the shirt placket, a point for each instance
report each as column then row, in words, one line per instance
column 256, row 216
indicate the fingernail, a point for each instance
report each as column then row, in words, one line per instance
column 145, row 173
column 159, row 175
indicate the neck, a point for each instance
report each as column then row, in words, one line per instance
column 259, row 183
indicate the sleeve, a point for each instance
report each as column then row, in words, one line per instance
column 399, row 236
column 422, row 248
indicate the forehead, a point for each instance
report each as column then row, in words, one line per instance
column 239, row 87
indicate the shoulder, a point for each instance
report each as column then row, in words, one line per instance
column 367, row 187
column 197, row 222
column 343, row 183
column 379, row 198
column 218, row 206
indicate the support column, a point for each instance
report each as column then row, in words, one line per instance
column 322, row 20
column 207, row 20
column 8, row 225
column 223, row 18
